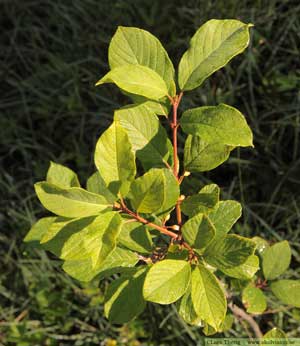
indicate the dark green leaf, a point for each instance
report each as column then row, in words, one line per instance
column 244, row 271
column 124, row 297
column 230, row 251
column 200, row 156
column 198, row 231
column 186, row 309
column 203, row 202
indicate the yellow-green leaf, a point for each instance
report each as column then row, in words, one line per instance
column 149, row 193
column 115, row 159
column 71, row 202
column 221, row 124
column 62, row 176
column 37, row 231
column 147, row 136
column 254, row 299
column 167, row 281
column 276, row 260
column 214, row 44
column 116, row 262
column 208, row 297
column 131, row 45
column 137, row 79
column 288, row 291
column 224, row 215
column 95, row 241
column 275, row 333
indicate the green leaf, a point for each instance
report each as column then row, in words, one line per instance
column 96, row 241
column 230, row 251
column 85, row 238
column 137, row 79
column 171, row 196
column 148, row 138
column 115, row 262
column 261, row 245
column 254, row 300
column 135, row 237
column 200, row 156
column 161, row 107
column 186, row 309
column 115, row 159
column 124, row 297
column 274, row 333
column 57, row 225
column 244, row 271
column 208, row 297
column 71, row 202
column 276, row 260
column 225, row 326
column 167, row 281
column 288, row 291
column 135, row 46
column 37, row 231
column 96, row 184
column 149, row 193
column 203, row 202
column 198, row 231
column 221, row 124
column 214, row 44
column 224, row 216
column 62, row 176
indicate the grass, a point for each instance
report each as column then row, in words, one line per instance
column 51, row 56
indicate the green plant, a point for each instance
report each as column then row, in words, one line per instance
column 132, row 229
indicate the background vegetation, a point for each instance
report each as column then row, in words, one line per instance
column 52, row 53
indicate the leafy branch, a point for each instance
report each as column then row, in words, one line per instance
column 117, row 224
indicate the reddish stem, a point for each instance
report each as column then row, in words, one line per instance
column 175, row 102
column 161, row 229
